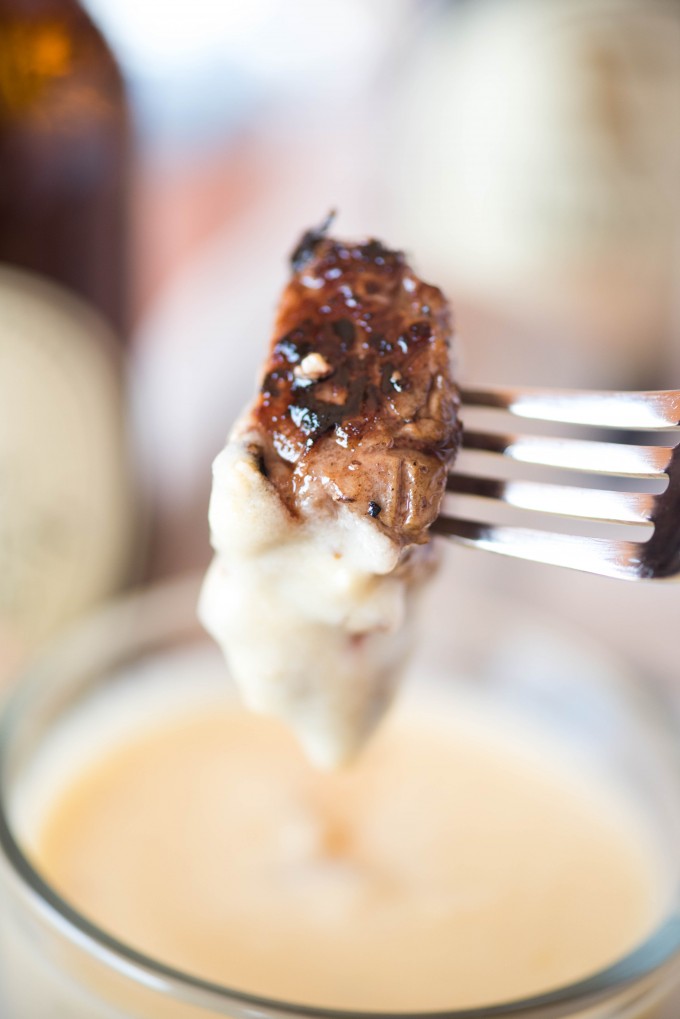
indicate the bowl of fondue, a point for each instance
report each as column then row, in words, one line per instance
column 507, row 843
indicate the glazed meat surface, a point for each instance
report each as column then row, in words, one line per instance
column 357, row 402
column 324, row 493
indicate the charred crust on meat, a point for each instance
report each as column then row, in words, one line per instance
column 344, row 329
column 367, row 350
column 306, row 247
column 359, row 365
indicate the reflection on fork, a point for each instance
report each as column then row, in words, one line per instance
column 590, row 480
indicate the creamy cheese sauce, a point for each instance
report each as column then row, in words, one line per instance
column 455, row 864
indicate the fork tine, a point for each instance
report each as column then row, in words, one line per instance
column 656, row 556
column 619, row 559
column 649, row 411
column 610, row 458
column 561, row 500
column 661, row 554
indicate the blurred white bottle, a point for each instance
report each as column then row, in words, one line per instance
column 66, row 502
column 537, row 173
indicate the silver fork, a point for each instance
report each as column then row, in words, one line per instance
column 617, row 491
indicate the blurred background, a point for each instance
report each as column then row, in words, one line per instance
column 525, row 154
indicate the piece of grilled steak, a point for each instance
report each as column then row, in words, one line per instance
column 328, row 483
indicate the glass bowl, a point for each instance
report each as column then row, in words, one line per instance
column 53, row 961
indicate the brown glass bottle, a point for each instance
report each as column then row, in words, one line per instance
column 66, row 508
column 64, row 152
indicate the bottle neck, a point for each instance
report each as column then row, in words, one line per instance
column 64, row 152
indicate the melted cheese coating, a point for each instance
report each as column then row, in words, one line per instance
column 310, row 612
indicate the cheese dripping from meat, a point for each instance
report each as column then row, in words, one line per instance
column 324, row 494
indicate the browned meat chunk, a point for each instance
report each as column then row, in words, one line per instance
column 357, row 402
column 325, row 486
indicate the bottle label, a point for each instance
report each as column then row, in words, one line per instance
column 65, row 520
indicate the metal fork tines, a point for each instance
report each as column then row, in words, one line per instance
column 606, row 500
